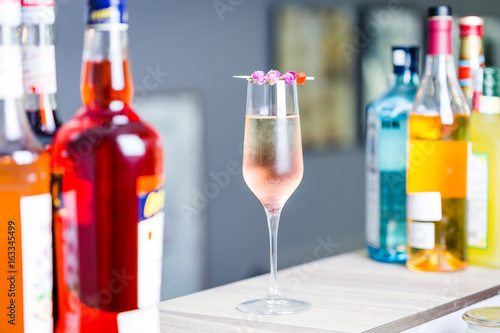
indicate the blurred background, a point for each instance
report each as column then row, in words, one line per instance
column 184, row 54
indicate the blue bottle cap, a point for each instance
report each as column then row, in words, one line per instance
column 106, row 12
column 405, row 58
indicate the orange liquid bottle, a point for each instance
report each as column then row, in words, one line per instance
column 25, row 201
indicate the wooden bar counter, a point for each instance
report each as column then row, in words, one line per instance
column 348, row 292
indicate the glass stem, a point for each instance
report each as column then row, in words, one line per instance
column 273, row 220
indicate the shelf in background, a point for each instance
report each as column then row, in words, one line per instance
column 349, row 293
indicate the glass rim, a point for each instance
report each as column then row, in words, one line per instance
column 279, row 99
column 484, row 317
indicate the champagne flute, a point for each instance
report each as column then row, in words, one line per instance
column 272, row 169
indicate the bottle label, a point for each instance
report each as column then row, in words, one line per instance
column 421, row 235
column 438, row 166
column 466, row 68
column 11, row 72
column 65, row 221
column 150, row 240
column 477, row 195
column 142, row 320
column 424, row 206
column 10, row 13
column 104, row 15
column 372, row 181
column 36, row 235
column 39, row 69
column 38, row 14
column 489, row 105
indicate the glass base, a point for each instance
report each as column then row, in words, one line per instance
column 279, row 306
column 387, row 256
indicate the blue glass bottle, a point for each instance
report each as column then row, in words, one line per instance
column 386, row 137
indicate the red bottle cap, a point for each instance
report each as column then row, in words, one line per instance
column 471, row 26
column 37, row 3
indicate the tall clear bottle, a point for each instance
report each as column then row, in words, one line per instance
column 39, row 69
column 109, row 240
column 437, row 164
column 471, row 53
column 386, row 137
column 484, row 181
column 25, row 209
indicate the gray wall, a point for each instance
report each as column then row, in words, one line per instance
column 188, row 39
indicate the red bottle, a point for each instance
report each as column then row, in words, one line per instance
column 109, row 225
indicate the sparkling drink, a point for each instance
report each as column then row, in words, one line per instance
column 272, row 160
column 273, row 167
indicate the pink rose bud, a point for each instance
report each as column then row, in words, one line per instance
column 273, row 76
column 289, row 77
column 259, row 77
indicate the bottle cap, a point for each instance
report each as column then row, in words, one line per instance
column 10, row 12
column 38, row 11
column 439, row 11
column 107, row 14
column 440, row 24
column 484, row 317
column 37, row 3
column 471, row 26
column 405, row 58
column 490, row 81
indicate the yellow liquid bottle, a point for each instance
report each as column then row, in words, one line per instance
column 484, row 179
column 437, row 190
column 25, row 200
column 437, row 159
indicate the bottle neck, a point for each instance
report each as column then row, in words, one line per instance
column 471, row 46
column 13, row 123
column 440, row 41
column 486, row 95
column 441, row 66
column 106, row 76
column 38, row 59
column 440, row 81
column 40, row 84
column 406, row 78
column 470, row 60
column 39, row 64
column 13, row 126
column 439, row 61
column 37, row 34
